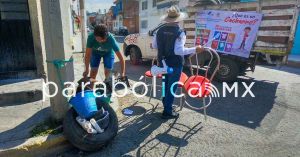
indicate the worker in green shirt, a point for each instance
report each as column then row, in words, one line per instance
column 102, row 44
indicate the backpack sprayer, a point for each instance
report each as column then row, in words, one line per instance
column 155, row 70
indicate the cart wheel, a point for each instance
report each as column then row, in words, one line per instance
column 85, row 141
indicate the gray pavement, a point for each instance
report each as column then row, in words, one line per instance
column 21, row 108
column 267, row 125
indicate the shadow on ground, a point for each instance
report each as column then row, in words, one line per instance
column 140, row 127
column 284, row 69
column 18, row 135
column 246, row 111
column 134, row 130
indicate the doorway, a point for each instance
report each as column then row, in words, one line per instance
column 17, row 59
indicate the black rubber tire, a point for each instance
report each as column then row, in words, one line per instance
column 231, row 74
column 90, row 142
column 135, row 56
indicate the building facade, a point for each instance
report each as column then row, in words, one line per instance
column 127, row 15
column 35, row 36
column 110, row 18
column 22, row 27
column 100, row 18
column 91, row 19
column 150, row 12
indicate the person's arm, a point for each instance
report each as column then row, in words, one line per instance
column 87, row 56
column 179, row 48
column 116, row 48
column 121, row 59
column 87, row 59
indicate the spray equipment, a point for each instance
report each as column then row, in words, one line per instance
column 155, row 70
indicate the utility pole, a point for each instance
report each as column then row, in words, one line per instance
column 83, row 24
column 56, row 23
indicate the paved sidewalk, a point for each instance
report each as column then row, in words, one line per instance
column 21, row 108
column 294, row 61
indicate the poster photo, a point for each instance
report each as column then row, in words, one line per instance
column 227, row 31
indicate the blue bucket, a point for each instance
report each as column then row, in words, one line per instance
column 85, row 106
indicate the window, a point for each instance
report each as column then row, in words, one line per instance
column 144, row 24
column 154, row 3
column 144, row 5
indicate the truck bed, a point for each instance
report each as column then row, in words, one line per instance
column 277, row 30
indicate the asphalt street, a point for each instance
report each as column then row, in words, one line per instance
column 264, row 125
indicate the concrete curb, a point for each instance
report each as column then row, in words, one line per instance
column 37, row 146
column 294, row 64
column 44, row 145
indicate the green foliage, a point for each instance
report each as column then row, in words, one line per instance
column 45, row 128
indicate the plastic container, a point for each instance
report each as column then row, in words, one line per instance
column 85, row 106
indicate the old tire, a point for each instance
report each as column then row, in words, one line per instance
column 90, row 142
column 135, row 56
column 228, row 71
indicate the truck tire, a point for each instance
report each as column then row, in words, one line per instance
column 228, row 72
column 135, row 56
column 85, row 141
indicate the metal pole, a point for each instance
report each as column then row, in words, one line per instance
column 83, row 25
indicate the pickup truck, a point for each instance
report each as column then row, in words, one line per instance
column 275, row 37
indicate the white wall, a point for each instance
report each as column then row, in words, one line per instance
column 152, row 15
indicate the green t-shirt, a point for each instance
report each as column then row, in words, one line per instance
column 108, row 47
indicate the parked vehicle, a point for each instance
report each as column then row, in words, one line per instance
column 123, row 31
column 275, row 36
column 137, row 46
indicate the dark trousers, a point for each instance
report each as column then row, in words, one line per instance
column 169, row 79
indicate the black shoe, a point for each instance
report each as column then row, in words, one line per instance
column 173, row 115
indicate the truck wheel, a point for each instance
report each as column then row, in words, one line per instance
column 135, row 56
column 228, row 71
column 85, row 141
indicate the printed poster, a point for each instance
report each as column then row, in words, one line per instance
column 227, row 31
